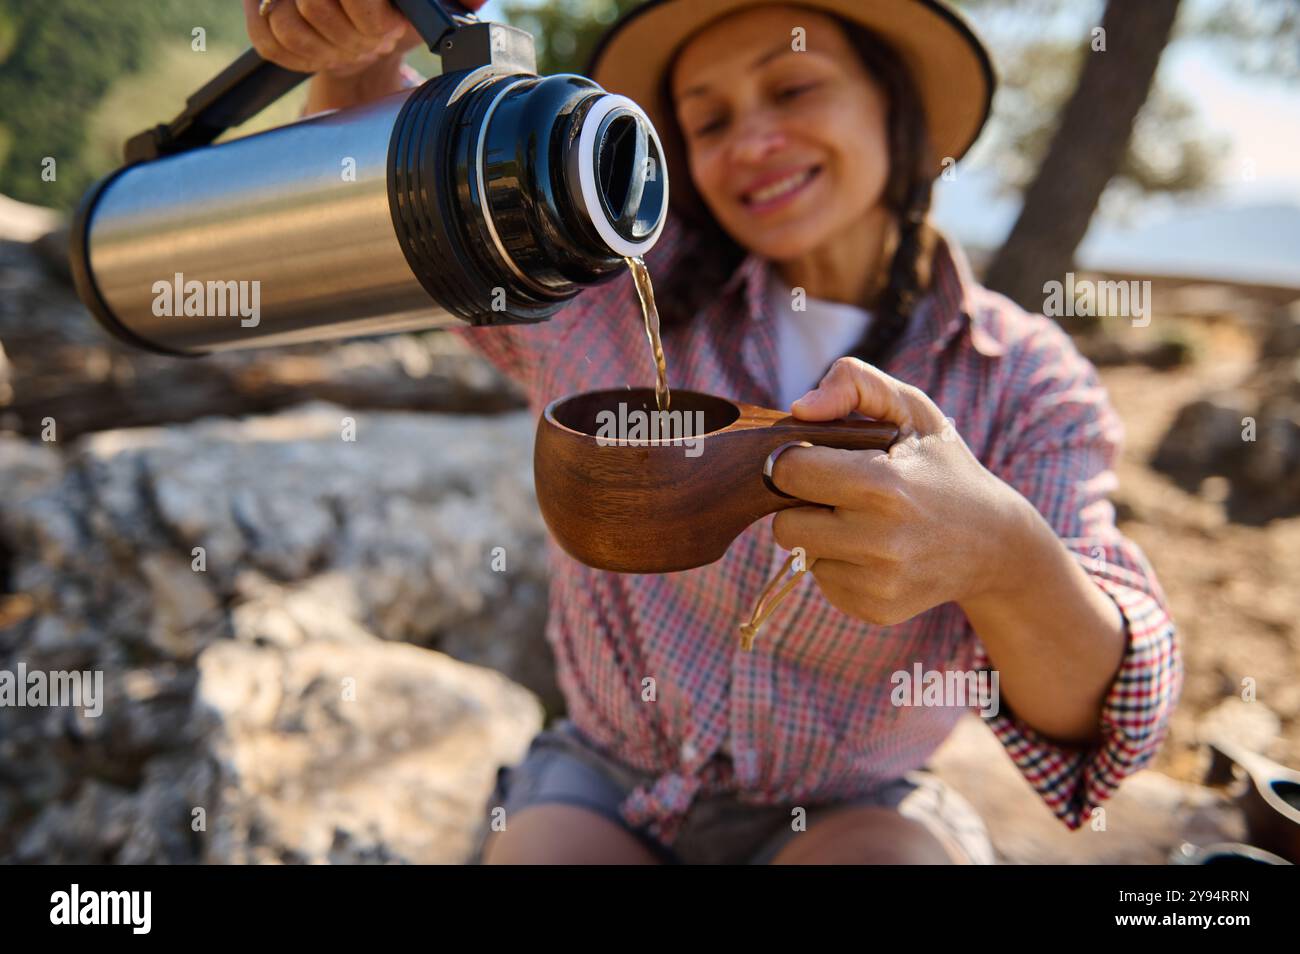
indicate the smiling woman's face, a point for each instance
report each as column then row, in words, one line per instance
column 788, row 148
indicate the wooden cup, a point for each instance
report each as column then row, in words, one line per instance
column 649, row 506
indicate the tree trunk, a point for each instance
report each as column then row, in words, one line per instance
column 1086, row 151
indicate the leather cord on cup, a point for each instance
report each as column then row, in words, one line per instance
column 768, row 600
column 772, row 595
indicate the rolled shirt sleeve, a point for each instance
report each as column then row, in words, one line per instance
column 1067, row 439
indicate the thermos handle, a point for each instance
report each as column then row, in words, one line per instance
column 250, row 84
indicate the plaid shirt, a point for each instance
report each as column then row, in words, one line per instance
column 806, row 716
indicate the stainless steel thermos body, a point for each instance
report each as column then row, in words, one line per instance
column 484, row 196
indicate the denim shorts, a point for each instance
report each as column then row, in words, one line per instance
column 563, row 766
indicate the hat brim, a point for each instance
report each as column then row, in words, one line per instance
column 951, row 68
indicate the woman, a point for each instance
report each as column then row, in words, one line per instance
column 802, row 142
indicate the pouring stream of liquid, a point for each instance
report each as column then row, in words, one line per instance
column 645, row 291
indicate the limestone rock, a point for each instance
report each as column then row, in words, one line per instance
column 364, row 752
column 148, row 554
column 1146, row 820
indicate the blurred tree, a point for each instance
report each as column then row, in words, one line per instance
column 1065, row 167
column 1259, row 36
column 1169, row 150
column 1087, row 149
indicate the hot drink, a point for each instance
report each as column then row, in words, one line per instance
column 646, row 292
column 637, row 505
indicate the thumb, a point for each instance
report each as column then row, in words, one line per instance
column 853, row 385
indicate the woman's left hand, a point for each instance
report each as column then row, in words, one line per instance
column 922, row 524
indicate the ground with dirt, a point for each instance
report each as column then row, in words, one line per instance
column 1233, row 588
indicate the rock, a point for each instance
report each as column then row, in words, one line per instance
column 1146, row 820
column 106, row 823
column 1205, row 300
column 1204, row 439
column 1251, row 725
column 1249, row 435
column 183, row 604
column 20, row 222
column 362, row 752
column 1105, row 350
column 52, row 250
column 8, row 421
column 143, row 553
column 1272, row 460
column 1282, row 338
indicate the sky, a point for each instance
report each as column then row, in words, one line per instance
column 1259, row 117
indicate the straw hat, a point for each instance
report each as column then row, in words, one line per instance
column 952, row 70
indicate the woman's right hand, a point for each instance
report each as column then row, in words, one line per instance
column 339, row 38
column 355, row 48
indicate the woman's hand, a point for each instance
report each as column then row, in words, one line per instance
column 355, row 47
column 907, row 530
column 337, row 37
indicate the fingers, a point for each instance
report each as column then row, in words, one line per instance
column 853, row 385
column 373, row 19
column 813, row 528
column 879, row 602
column 848, row 538
column 330, row 22
column 299, row 37
column 266, row 44
column 838, row 582
column 313, row 36
column 832, row 477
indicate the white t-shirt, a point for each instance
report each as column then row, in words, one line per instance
column 807, row 342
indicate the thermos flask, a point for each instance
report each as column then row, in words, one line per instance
column 488, row 195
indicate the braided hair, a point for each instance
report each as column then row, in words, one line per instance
column 907, row 194
column 714, row 255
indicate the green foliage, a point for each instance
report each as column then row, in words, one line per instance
column 566, row 31
column 60, row 58
column 157, row 93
